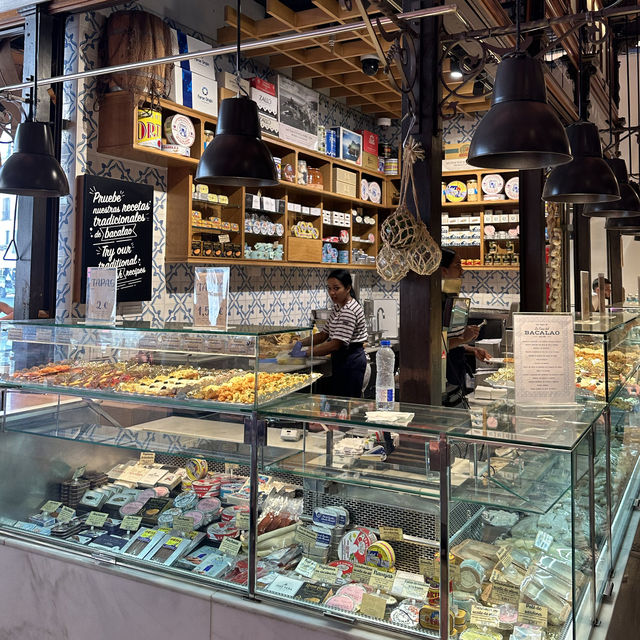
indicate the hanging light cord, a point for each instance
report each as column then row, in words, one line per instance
column 626, row 20
column 580, row 41
column 517, row 26
column 241, row 89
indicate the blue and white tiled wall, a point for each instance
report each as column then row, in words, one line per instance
column 272, row 295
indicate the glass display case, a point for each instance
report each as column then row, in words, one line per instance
column 387, row 495
column 238, row 369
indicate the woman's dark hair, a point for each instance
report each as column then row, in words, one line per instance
column 345, row 279
column 447, row 258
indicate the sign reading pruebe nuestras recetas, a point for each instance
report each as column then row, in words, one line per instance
column 115, row 225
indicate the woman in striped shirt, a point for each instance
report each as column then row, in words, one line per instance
column 343, row 337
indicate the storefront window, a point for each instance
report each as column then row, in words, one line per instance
column 7, row 250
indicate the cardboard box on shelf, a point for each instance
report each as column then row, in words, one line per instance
column 182, row 43
column 343, row 175
column 228, row 81
column 264, row 95
column 455, row 151
column 369, row 142
column 349, row 145
column 369, row 161
column 345, row 189
column 194, row 91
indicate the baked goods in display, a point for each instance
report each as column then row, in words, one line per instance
column 222, row 385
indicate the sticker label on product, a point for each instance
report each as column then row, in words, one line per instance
column 242, row 520
column 147, row 458
column 96, row 519
column 503, row 593
column 325, row 573
column 285, row 586
column 532, row 614
column 130, row 523
column 373, row 606
column 413, row 589
column 224, row 238
column 391, row 534
column 183, row 523
column 361, row 573
column 230, row 546
column 211, row 295
column 306, row 567
column 79, row 472
column 484, row 616
column 305, row 535
column 66, row 514
column 381, row 580
column 102, row 290
column 543, row 541
column 50, row 505
column 428, row 568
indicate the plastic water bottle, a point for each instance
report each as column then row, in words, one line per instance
column 385, row 380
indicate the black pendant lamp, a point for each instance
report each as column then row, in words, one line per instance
column 237, row 156
column 587, row 178
column 32, row 169
column 627, row 226
column 629, row 203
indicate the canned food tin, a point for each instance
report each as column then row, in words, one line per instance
column 150, row 128
column 179, row 130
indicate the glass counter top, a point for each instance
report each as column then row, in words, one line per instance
column 551, row 427
column 605, row 323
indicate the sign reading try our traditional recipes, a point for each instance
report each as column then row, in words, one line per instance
column 115, row 226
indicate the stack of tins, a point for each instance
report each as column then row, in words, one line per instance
column 134, row 36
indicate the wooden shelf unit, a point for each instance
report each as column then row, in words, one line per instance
column 118, row 130
column 478, row 252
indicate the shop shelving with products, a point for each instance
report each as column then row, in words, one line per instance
column 477, row 256
column 118, row 126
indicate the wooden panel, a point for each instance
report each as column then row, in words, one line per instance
column 304, row 250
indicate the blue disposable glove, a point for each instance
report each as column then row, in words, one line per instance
column 298, row 351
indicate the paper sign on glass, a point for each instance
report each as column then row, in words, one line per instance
column 544, row 358
column 211, row 296
column 102, row 289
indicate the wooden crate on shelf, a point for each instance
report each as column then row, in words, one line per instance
column 304, row 250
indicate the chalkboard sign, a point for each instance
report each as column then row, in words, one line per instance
column 115, row 226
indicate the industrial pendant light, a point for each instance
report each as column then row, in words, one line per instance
column 587, row 178
column 627, row 226
column 32, row 169
column 628, row 205
column 237, row 156
column 520, row 131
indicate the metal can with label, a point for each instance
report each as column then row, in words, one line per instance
column 150, row 128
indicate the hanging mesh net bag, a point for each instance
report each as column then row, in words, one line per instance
column 391, row 264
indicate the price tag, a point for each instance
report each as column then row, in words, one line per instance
column 306, row 567
column 428, row 568
column 50, row 506
column 391, row 534
column 484, row 616
column 224, row 238
column 183, row 523
column 543, row 541
column 532, row 614
column 230, row 546
column 413, row 589
column 65, row 514
column 147, row 458
column 503, row 593
column 79, row 472
column 96, row 519
column 242, row 520
column 382, row 580
column 325, row 573
column 506, row 560
column 102, row 286
column 210, row 297
column 305, row 535
column 130, row 523
column 361, row 573
column 373, row 606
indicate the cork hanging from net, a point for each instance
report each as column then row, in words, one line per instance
column 391, row 264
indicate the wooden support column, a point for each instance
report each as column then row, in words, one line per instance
column 581, row 252
column 614, row 264
column 533, row 270
column 37, row 218
column 420, row 296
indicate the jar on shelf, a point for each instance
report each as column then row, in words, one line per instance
column 315, row 178
column 472, row 190
column 208, row 137
column 303, row 172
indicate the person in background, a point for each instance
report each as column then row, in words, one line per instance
column 458, row 341
column 342, row 338
column 595, row 299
